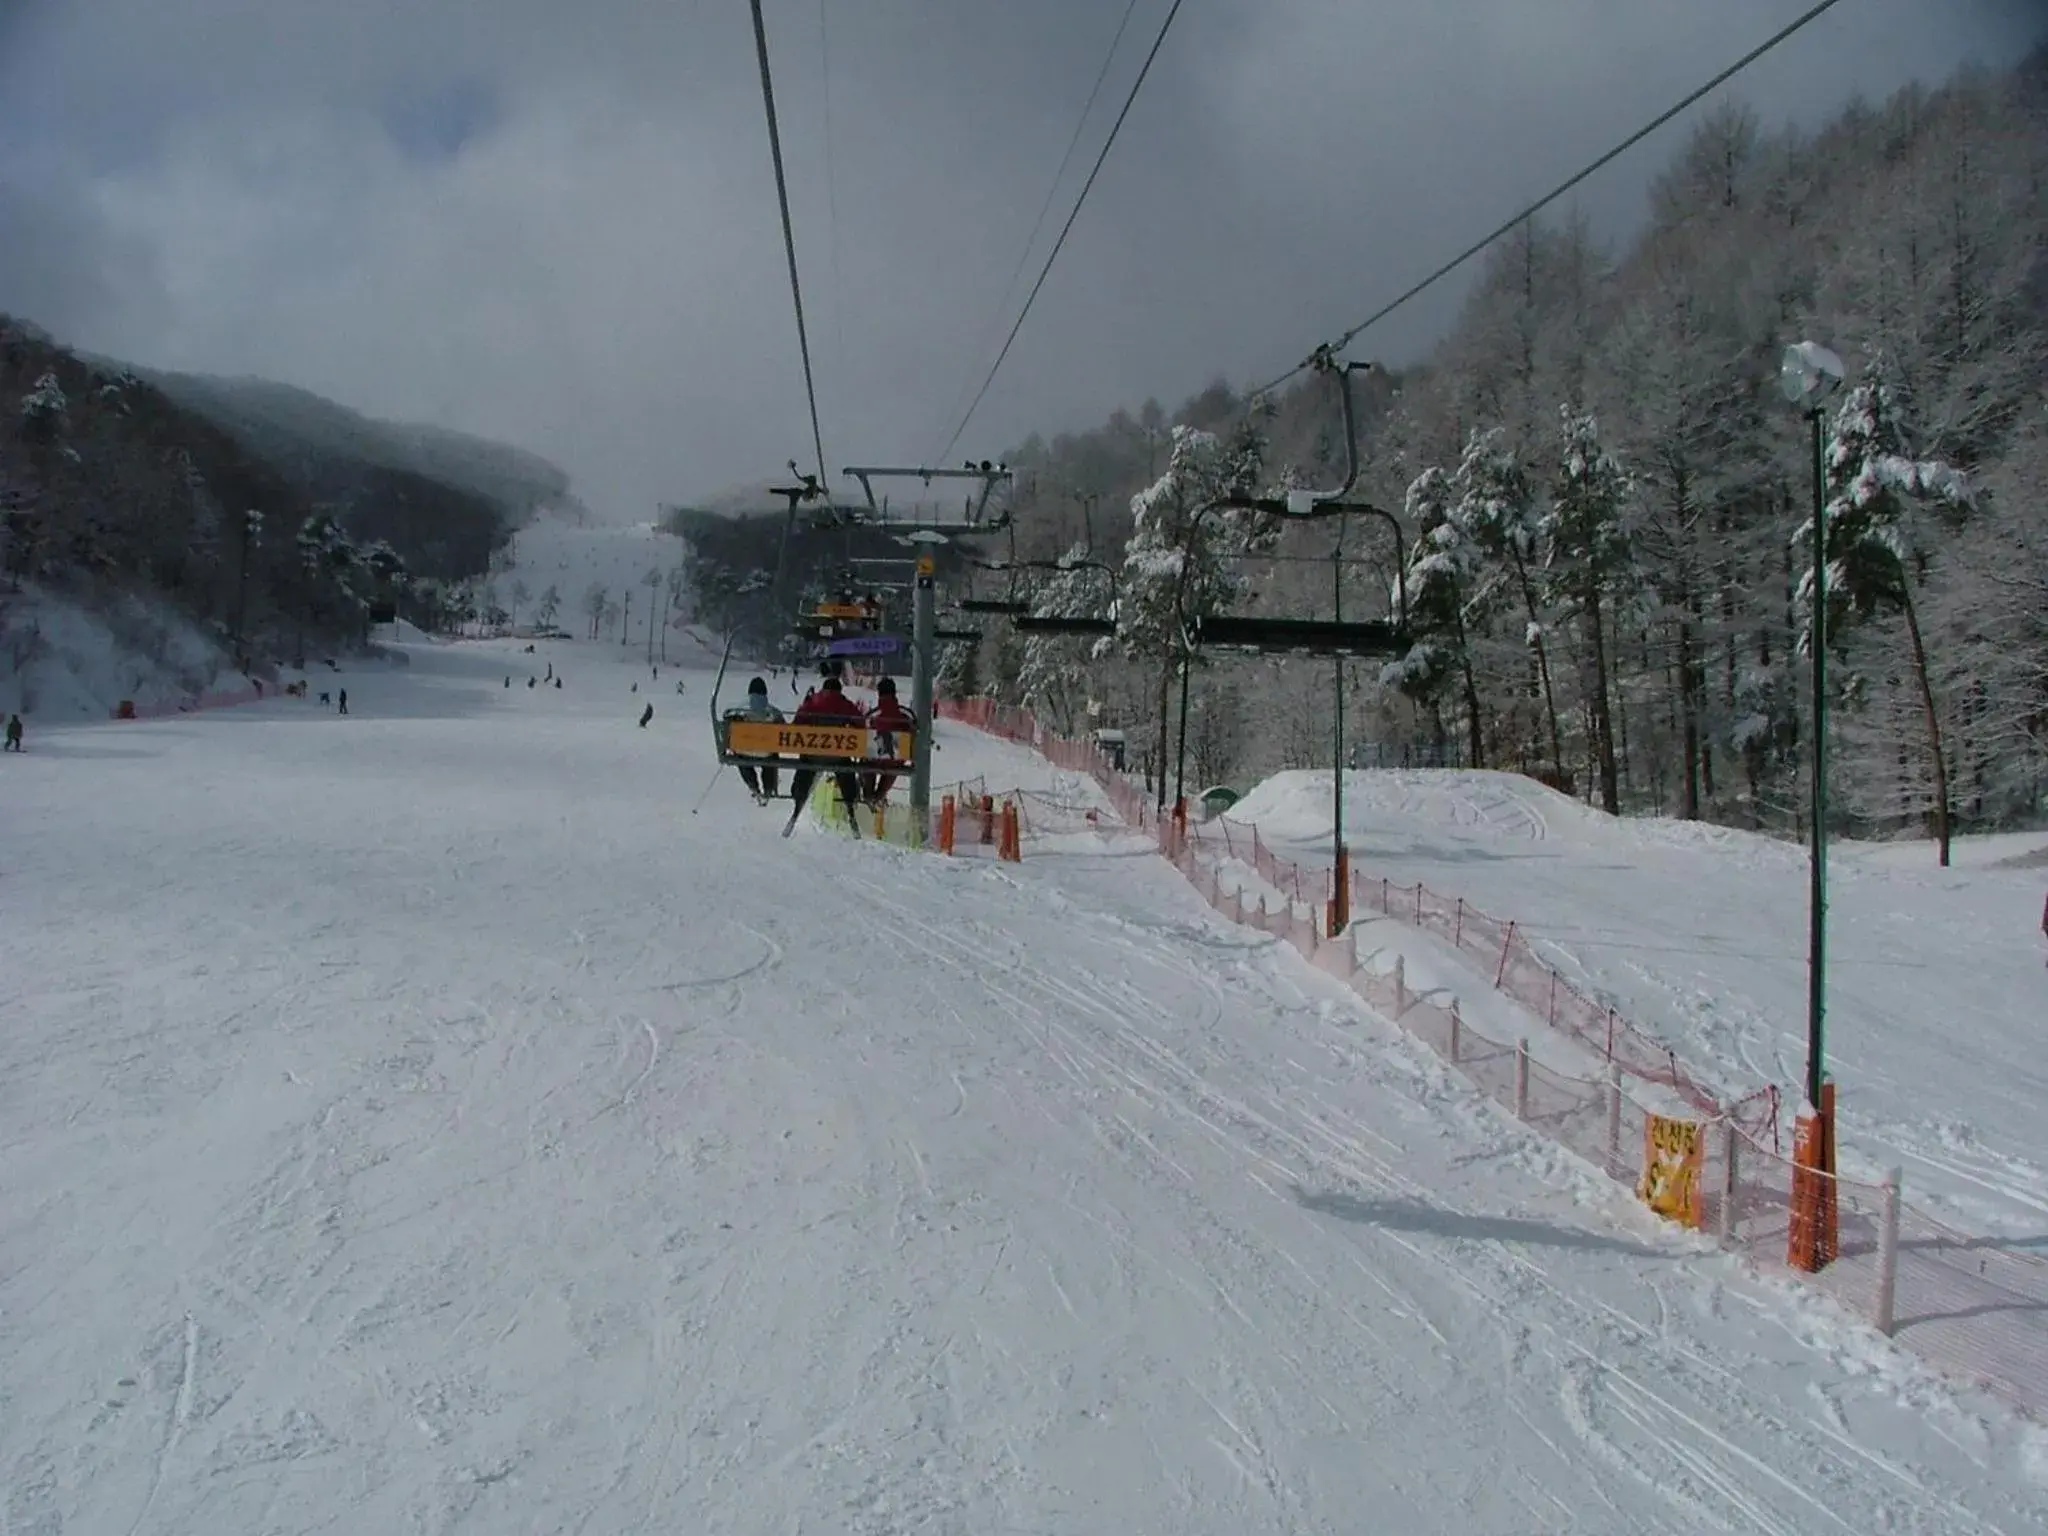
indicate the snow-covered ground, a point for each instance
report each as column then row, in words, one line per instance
column 420, row 1121
column 62, row 659
column 1937, row 992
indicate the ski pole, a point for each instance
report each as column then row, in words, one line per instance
column 707, row 790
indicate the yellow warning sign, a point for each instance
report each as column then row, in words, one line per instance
column 766, row 738
column 925, row 565
column 1672, row 1154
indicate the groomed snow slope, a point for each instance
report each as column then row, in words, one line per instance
column 571, row 557
column 1936, row 989
column 420, row 1122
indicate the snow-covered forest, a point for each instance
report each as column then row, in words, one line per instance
column 270, row 518
column 1606, row 500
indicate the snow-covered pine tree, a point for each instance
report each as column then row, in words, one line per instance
column 1443, row 569
column 1052, row 672
column 1178, row 562
column 1494, row 509
column 44, row 409
column 1879, row 545
column 954, row 674
column 1589, row 565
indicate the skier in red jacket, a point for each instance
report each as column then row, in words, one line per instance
column 827, row 704
column 888, row 715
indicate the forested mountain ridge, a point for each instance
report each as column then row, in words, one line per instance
column 1604, row 495
column 304, row 433
column 269, row 516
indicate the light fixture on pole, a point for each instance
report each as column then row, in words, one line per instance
column 1808, row 374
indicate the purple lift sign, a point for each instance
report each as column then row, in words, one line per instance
column 863, row 645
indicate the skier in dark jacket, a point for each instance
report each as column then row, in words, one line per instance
column 646, row 715
column 14, row 733
column 827, row 704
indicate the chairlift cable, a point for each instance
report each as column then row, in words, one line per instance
column 1060, row 244
column 788, row 235
column 1053, row 189
column 838, row 293
column 1796, row 25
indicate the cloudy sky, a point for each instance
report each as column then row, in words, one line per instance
column 554, row 223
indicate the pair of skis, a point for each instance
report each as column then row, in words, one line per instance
column 852, row 817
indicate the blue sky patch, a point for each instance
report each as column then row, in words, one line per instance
column 437, row 122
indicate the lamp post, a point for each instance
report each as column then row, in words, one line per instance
column 1339, row 916
column 1808, row 375
column 923, row 667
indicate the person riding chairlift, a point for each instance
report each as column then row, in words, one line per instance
column 768, row 784
column 887, row 716
column 827, row 704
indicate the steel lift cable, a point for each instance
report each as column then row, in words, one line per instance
column 1781, row 35
column 1060, row 244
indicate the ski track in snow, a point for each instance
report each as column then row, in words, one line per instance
column 420, row 1123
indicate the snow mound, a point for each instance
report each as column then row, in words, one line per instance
column 400, row 632
column 1696, row 934
column 63, row 659
column 1481, row 804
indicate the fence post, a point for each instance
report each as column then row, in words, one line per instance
column 1400, row 985
column 1456, row 1022
column 1522, row 1078
column 1386, row 897
column 1610, row 1034
column 1888, row 1252
column 1501, row 970
column 1418, row 903
column 1458, row 926
column 1613, row 1115
column 1731, row 1180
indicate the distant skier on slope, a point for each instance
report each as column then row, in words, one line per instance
column 646, row 715
column 14, row 737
